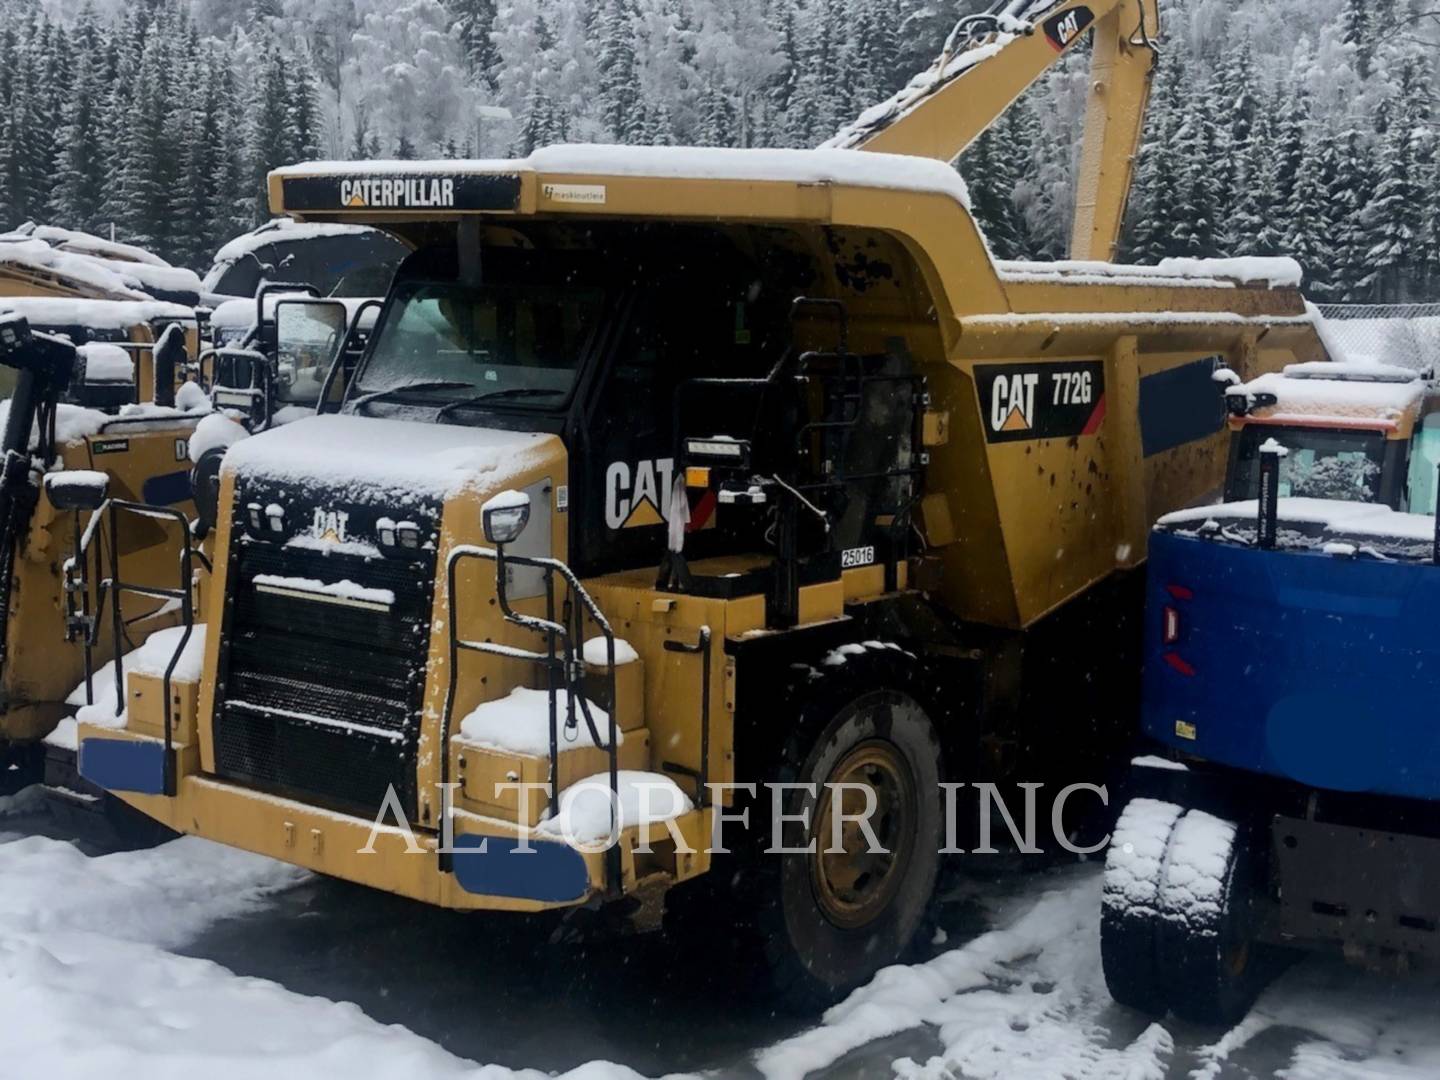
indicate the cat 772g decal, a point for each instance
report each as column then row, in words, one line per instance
column 1041, row 401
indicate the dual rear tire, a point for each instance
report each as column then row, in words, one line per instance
column 1178, row 922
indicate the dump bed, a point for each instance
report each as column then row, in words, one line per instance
column 1073, row 403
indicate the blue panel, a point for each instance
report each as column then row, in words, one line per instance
column 167, row 490
column 1179, row 406
column 1321, row 670
column 552, row 873
column 124, row 765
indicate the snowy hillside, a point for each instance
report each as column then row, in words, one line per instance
column 1278, row 126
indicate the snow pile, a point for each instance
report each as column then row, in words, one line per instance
column 594, row 653
column 151, row 658
column 587, row 809
column 391, row 461
column 191, row 398
column 216, row 431
column 155, row 280
column 106, row 363
column 72, row 423
column 520, row 724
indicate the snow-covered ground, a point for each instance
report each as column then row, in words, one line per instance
column 192, row 960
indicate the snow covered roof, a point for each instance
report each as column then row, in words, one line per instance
column 385, row 460
column 1334, row 392
column 892, row 172
column 57, row 311
column 81, row 243
column 1185, row 273
column 283, row 230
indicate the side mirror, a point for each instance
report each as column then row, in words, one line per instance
column 505, row 516
column 308, row 336
column 77, row 489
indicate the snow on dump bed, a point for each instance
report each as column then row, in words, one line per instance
column 520, row 724
column 83, row 243
column 893, row 172
column 45, row 312
column 37, row 256
column 1186, row 273
column 150, row 658
column 389, row 460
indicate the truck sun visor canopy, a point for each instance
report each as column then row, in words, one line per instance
column 410, row 191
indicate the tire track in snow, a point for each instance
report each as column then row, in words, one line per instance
column 1020, row 1002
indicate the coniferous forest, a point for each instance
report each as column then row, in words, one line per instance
column 1304, row 127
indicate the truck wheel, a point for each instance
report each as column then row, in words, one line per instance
column 1208, row 952
column 833, row 916
column 1129, row 908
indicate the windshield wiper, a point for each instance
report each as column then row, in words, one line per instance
column 513, row 392
column 433, row 384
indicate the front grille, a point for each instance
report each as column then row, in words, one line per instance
column 321, row 701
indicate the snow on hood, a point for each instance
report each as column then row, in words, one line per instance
column 395, row 458
column 892, row 172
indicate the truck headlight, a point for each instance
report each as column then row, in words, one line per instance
column 504, row 517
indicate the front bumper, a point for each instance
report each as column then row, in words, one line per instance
column 487, row 870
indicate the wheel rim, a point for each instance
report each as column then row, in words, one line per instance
column 853, row 885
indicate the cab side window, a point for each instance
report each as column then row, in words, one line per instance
column 1425, row 466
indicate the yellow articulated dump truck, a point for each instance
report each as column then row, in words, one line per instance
column 666, row 471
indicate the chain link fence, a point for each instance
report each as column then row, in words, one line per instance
column 1405, row 335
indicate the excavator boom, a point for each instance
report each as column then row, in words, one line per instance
column 992, row 58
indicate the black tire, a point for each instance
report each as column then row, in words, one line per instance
column 827, row 925
column 1129, row 908
column 1213, row 876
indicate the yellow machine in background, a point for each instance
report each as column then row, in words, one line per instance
column 671, row 470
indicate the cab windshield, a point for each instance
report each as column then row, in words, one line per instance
column 1321, row 464
column 455, row 342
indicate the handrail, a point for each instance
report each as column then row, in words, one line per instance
column 114, row 587
column 562, row 668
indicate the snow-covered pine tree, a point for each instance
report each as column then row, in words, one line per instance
column 619, row 71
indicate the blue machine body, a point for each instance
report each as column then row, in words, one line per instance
column 1295, row 664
